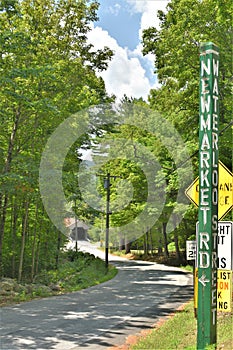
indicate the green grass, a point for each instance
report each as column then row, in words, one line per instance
column 79, row 271
column 76, row 271
column 180, row 332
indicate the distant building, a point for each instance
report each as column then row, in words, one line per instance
column 82, row 229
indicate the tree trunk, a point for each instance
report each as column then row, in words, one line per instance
column 178, row 255
column 127, row 247
column 166, row 252
column 33, row 256
column 25, row 221
column 186, row 229
column 2, row 229
column 34, row 245
column 37, row 258
column 4, row 197
column 121, row 243
column 151, row 242
column 147, row 242
column 14, row 237
column 176, row 241
column 144, row 244
column 58, row 248
column 160, row 247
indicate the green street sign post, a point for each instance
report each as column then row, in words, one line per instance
column 208, row 195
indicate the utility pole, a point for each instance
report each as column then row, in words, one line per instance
column 76, row 227
column 107, row 185
column 76, row 234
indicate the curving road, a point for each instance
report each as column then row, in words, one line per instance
column 101, row 316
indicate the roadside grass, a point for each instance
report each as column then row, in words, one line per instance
column 180, row 332
column 79, row 271
column 76, row 271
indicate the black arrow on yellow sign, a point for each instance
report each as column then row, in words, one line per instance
column 225, row 188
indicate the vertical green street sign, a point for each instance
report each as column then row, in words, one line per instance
column 208, row 195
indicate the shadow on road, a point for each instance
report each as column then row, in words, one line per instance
column 100, row 316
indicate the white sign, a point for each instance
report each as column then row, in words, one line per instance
column 225, row 245
column 191, row 248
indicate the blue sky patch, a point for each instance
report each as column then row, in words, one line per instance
column 118, row 20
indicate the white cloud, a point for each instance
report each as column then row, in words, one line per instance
column 114, row 10
column 148, row 9
column 144, row 5
column 125, row 74
column 147, row 59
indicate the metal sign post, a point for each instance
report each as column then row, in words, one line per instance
column 208, row 196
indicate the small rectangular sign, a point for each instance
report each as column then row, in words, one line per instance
column 191, row 249
column 225, row 245
column 224, row 290
column 225, row 234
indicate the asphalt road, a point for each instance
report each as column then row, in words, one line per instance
column 101, row 316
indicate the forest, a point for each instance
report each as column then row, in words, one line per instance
column 49, row 72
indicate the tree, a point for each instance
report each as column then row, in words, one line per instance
column 48, row 72
column 146, row 191
column 186, row 24
column 176, row 50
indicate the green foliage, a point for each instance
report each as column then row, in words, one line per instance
column 48, row 72
column 131, row 152
column 175, row 46
column 76, row 271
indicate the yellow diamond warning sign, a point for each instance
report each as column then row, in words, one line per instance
column 225, row 195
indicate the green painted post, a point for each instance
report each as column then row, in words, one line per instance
column 208, row 195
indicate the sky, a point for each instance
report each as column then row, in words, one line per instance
column 120, row 28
